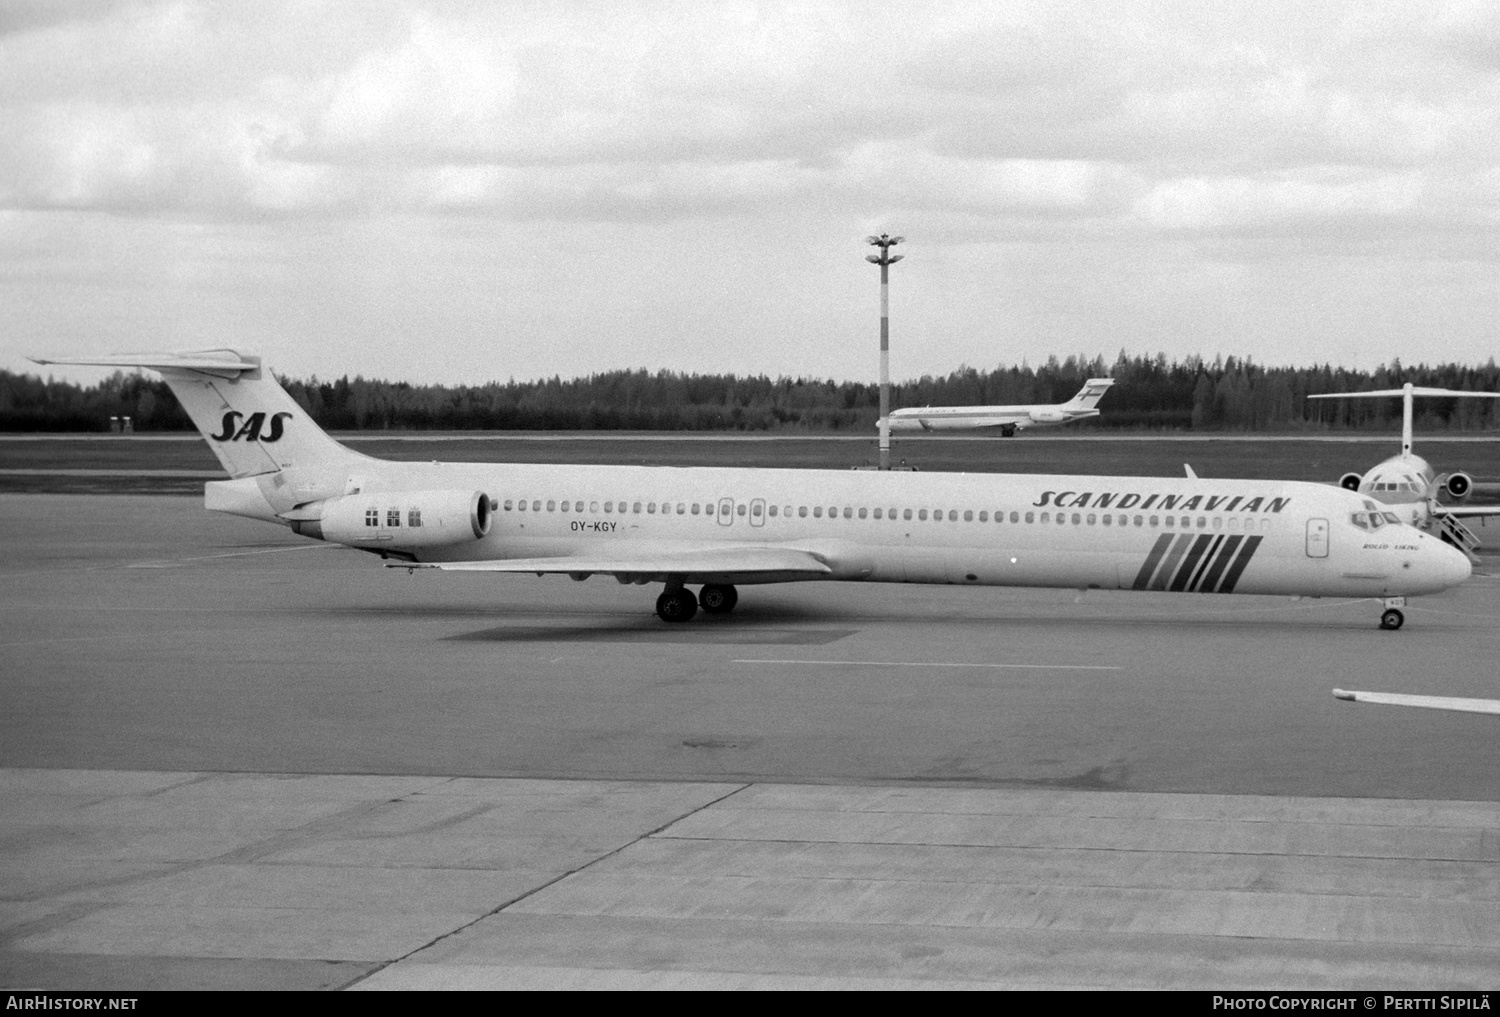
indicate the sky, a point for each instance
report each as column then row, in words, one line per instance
column 459, row 192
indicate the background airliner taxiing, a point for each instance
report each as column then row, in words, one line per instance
column 719, row 528
column 1009, row 419
column 1409, row 486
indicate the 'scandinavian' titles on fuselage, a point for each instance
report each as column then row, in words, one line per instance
column 727, row 526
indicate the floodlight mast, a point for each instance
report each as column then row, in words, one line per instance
column 885, row 259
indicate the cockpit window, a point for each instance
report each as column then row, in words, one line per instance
column 1374, row 520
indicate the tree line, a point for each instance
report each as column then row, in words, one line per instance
column 1151, row 393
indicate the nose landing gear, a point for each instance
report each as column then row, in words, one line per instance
column 1392, row 618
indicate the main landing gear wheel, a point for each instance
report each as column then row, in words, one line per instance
column 717, row 599
column 1392, row 619
column 676, row 605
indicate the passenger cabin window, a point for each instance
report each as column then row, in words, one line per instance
column 414, row 516
column 372, row 517
column 393, row 517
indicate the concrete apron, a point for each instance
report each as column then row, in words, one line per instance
column 153, row 880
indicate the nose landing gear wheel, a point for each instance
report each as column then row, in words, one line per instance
column 1392, row 619
column 676, row 606
column 717, row 599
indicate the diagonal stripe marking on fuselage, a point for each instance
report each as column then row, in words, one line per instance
column 1169, row 566
column 1246, row 553
column 1152, row 560
column 1220, row 563
column 1190, row 562
column 1203, row 564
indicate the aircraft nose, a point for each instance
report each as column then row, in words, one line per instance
column 1451, row 565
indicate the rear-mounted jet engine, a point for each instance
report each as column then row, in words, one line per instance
column 397, row 519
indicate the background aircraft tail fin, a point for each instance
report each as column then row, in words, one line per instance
column 1407, row 392
column 245, row 415
column 1093, row 390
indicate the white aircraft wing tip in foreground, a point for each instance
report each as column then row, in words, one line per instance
column 1457, row 704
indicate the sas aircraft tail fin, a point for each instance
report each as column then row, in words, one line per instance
column 245, row 415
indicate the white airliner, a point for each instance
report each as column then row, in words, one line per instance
column 1009, row 419
column 723, row 527
column 1408, row 485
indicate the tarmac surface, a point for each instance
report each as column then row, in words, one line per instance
column 230, row 757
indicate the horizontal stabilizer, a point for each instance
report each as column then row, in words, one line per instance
column 1416, row 391
column 249, row 421
column 745, row 560
column 1426, row 702
column 221, row 363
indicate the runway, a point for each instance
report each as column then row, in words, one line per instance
column 837, row 785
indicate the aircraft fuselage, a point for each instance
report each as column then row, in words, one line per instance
column 1141, row 533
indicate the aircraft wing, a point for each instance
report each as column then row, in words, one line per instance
column 1491, row 706
column 747, row 560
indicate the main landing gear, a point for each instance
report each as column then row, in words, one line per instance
column 679, row 605
column 1392, row 618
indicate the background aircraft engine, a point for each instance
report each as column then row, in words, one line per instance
column 399, row 518
column 1350, row 481
column 1459, row 485
column 1048, row 416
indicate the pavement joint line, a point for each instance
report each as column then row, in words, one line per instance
column 1145, row 888
column 538, row 889
column 927, row 663
column 1477, row 859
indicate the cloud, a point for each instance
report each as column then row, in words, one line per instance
column 626, row 112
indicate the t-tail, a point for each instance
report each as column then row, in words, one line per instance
column 277, row 456
column 1088, row 397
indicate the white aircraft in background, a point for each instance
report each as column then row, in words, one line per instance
column 1009, row 419
column 723, row 526
column 1407, row 484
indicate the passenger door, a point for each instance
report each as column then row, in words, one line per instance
column 1317, row 538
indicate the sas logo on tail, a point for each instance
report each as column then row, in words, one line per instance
column 250, row 429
